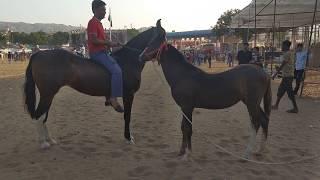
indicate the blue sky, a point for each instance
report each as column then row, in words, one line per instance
column 178, row 15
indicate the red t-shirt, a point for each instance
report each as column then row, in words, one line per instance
column 95, row 27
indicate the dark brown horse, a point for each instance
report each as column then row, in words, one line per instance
column 50, row 70
column 193, row 88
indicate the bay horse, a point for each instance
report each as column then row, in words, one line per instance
column 52, row 69
column 193, row 88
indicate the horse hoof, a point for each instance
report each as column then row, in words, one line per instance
column 185, row 157
column 130, row 141
column 246, row 156
column 181, row 153
column 53, row 141
column 45, row 145
column 262, row 151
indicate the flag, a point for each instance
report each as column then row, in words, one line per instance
column 109, row 18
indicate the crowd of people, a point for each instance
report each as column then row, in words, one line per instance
column 12, row 56
column 198, row 57
column 292, row 68
column 81, row 51
column 244, row 56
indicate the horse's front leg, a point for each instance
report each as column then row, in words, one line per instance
column 186, row 128
column 127, row 102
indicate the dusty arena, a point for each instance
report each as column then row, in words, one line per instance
column 91, row 143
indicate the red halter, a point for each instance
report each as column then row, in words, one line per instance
column 163, row 47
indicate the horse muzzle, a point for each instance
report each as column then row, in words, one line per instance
column 142, row 55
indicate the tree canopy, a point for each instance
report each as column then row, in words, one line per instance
column 222, row 26
column 3, row 39
column 38, row 38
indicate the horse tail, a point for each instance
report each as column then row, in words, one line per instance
column 267, row 100
column 30, row 90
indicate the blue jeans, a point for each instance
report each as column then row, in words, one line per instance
column 112, row 66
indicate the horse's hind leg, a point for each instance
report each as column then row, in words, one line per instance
column 47, row 135
column 254, row 127
column 42, row 116
column 264, row 124
column 41, row 132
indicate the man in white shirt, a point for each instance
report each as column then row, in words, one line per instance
column 300, row 64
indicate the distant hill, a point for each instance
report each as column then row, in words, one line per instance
column 27, row 27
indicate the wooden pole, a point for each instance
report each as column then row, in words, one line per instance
column 255, row 23
column 273, row 33
column 308, row 49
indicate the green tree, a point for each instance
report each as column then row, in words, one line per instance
column 3, row 39
column 59, row 38
column 38, row 38
column 21, row 38
column 222, row 26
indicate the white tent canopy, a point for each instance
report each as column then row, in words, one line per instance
column 288, row 13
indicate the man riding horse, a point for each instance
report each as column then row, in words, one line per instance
column 97, row 44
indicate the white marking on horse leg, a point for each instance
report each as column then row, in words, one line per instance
column 47, row 135
column 252, row 141
column 186, row 155
column 131, row 140
column 42, row 133
column 262, row 144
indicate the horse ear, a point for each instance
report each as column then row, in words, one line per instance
column 159, row 23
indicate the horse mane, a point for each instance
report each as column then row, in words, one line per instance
column 133, row 42
column 135, row 39
column 176, row 55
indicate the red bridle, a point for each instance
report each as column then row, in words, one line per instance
column 162, row 47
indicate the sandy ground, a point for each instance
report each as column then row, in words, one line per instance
column 91, row 144
column 12, row 69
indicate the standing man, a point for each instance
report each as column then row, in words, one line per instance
column 209, row 55
column 97, row 45
column 256, row 58
column 229, row 58
column 287, row 68
column 301, row 59
column 244, row 56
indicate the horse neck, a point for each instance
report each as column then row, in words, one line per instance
column 129, row 57
column 137, row 44
column 175, row 67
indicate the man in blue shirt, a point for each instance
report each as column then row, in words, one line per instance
column 300, row 64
